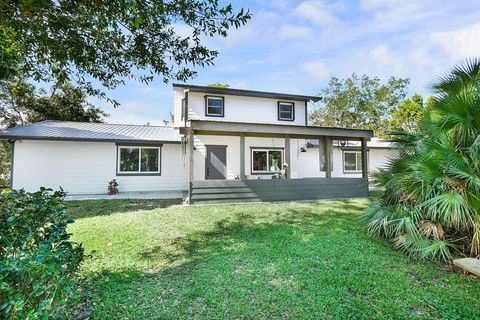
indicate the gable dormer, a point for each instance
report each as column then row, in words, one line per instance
column 237, row 105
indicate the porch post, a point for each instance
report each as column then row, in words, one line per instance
column 328, row 155
column 190, row 163
column 242, row 156
column 364, row 159
column 287, row 156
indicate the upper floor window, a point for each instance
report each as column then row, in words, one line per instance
column 214, row 106
column 286, row 111
column 138, row 160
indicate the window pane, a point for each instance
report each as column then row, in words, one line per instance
column 215, row 110
column 350, row 161
column 275, row 160
column 129, row 159
column 149, row 161
column 359, row 161
column 260, row 161
column 285, row 115
column 286, row 107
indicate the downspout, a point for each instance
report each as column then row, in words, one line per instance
column 12, row 157
column 306, row 113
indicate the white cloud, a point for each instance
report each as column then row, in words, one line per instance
column 376, row 4
column 295, row 32
column 316, row 69
column 459, row 44
column 318, row 13
column 381, row 56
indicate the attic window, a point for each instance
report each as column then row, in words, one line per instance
column 214, row 106
column 286, row 111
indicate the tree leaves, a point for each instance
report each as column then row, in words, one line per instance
column 359, row 102
column 437, row 172
column 109, row 42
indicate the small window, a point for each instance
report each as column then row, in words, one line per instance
column 214, row 106
column 286, row 111
column 352, row 161
column 267, row 161
column 138, row 160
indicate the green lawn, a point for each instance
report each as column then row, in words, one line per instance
column 159, row 259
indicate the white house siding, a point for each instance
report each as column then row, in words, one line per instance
column 86, row 168
column 303, row 164
column 239, row 109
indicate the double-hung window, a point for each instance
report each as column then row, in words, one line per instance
column 138, row 160
column 267, row 160
column 352, row 161
column 214, row 106
column 286, row 111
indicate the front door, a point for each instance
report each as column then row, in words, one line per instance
column 216, row 162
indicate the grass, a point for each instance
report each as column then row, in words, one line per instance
column 161, row 260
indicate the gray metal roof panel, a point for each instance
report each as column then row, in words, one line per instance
column 86, row 131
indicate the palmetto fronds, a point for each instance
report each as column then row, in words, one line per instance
column 430, row 206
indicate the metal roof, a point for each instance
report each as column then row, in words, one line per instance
column 295, row 131
column 374, row 143
column 86, row 131
column 248, row 93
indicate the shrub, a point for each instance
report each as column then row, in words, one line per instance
column 430, row 205
column 38, row 259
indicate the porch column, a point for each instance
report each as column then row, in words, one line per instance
column 364, row 159
column 242, row 156
column 287, row 156
column 190, row 162
column 328, row 155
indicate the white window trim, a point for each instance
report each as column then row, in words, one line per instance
column 139, row 172
column 357, row 154
column 214, row 114
column 268, row 156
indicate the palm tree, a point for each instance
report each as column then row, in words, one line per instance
column 430, row 205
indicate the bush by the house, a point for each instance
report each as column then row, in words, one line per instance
column 38, row 260
column 430, row 206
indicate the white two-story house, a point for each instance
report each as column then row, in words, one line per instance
column 225, row 145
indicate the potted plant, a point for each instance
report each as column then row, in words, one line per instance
column 112, row 187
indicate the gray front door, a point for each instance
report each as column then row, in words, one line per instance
column 216, row 162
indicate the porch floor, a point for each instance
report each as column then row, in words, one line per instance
column 130, row 195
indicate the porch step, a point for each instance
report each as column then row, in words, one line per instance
column 469, row 264
column 232, row 191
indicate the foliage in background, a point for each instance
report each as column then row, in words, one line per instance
column 408, row 114
column 5, row 155
column 359, row 102
column 21, row 103
column 430, row 206
column 219, row 85
column 37, row 258
column 112, row 41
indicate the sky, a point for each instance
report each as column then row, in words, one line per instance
column 296, row 46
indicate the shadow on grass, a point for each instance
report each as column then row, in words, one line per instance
column 78, row 209
column 310, row 260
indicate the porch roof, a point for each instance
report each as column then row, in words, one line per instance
column 213, row 127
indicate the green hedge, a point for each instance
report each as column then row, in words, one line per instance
column 38, row 260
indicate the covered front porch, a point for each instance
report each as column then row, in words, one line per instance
column 252, row 171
